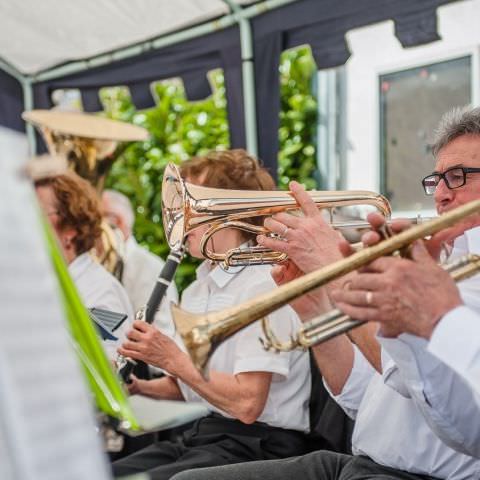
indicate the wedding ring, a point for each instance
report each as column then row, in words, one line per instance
column 368, row 297
column 285, row 231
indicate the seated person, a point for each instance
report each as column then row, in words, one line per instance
column 259, row 399
column 141, row 267
column 73, row 209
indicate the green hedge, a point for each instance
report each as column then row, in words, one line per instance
column 180, row 129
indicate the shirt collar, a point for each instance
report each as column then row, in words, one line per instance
column 214, row 273
column 469, row 242
column 80, row 265
column 130, row 244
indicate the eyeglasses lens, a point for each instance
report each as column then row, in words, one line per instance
column 455, row 177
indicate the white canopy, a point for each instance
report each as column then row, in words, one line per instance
column 36, row 35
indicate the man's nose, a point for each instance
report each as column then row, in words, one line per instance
column 442, row 193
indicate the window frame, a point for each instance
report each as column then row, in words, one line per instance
column 419, row 62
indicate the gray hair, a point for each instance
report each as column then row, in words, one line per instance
column 454, row 124
column 121, row 205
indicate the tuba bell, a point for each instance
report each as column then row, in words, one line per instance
column 88, row 144
column 186, row 206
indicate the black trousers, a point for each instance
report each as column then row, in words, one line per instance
column 322, row 465
column 213, row 440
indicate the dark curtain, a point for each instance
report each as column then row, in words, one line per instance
column 322, row 24
column 11, row 103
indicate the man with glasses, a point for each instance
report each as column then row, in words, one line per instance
column 429, row 318
column 414, row 415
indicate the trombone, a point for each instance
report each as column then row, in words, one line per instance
column 186, row 206
column 201, row 334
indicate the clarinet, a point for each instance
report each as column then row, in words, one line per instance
column 147, row 313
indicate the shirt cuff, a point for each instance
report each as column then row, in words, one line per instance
column 456, row 339
column 357, row 382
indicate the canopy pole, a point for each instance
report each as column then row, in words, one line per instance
column 28, row 105
column 248, row 78
column 160, row 42
column 11, row 70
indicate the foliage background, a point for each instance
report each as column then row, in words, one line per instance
column 180, row 129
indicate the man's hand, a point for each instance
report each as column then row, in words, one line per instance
column 308, row 305
column 403, row 295
column 309, row 241
column 148, row 344
column 310, row 244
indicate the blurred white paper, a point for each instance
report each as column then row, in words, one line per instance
column 47, row 427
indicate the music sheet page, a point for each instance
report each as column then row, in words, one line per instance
column 47, row 426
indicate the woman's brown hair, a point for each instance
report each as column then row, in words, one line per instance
column 229, row 169
column 78, row 207
column 232, row 169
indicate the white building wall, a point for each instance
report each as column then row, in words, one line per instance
column 376, row 50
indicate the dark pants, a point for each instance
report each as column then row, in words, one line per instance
column 320, row 465
column 214, row 440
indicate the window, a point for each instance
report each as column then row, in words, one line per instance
column 411, row 104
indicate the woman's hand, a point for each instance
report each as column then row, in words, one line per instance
column 148, row 344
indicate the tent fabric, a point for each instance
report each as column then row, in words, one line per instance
column 40, row 35
column 320, row 23
column 189, row 60
column 323, row 26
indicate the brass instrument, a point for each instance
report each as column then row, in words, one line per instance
column 186, row 206
column 324, row 327
column 88, row 144
column 202, row 333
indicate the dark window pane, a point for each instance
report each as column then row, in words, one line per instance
column 412, row 102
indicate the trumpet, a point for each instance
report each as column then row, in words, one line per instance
column 186, row 206
column 329, row 325
column 201, row 334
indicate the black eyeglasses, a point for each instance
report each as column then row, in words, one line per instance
column 453, row 177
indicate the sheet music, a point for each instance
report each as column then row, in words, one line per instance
column 47, row 427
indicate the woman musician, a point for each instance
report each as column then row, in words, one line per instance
column 72, row 207
column 258, row 399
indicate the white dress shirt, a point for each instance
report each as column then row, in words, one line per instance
column 456, row 342
column 98, row 288
column 140, row 272
column 390, row 428
column 287, row 403
column 418, row 370
column 456, row 338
